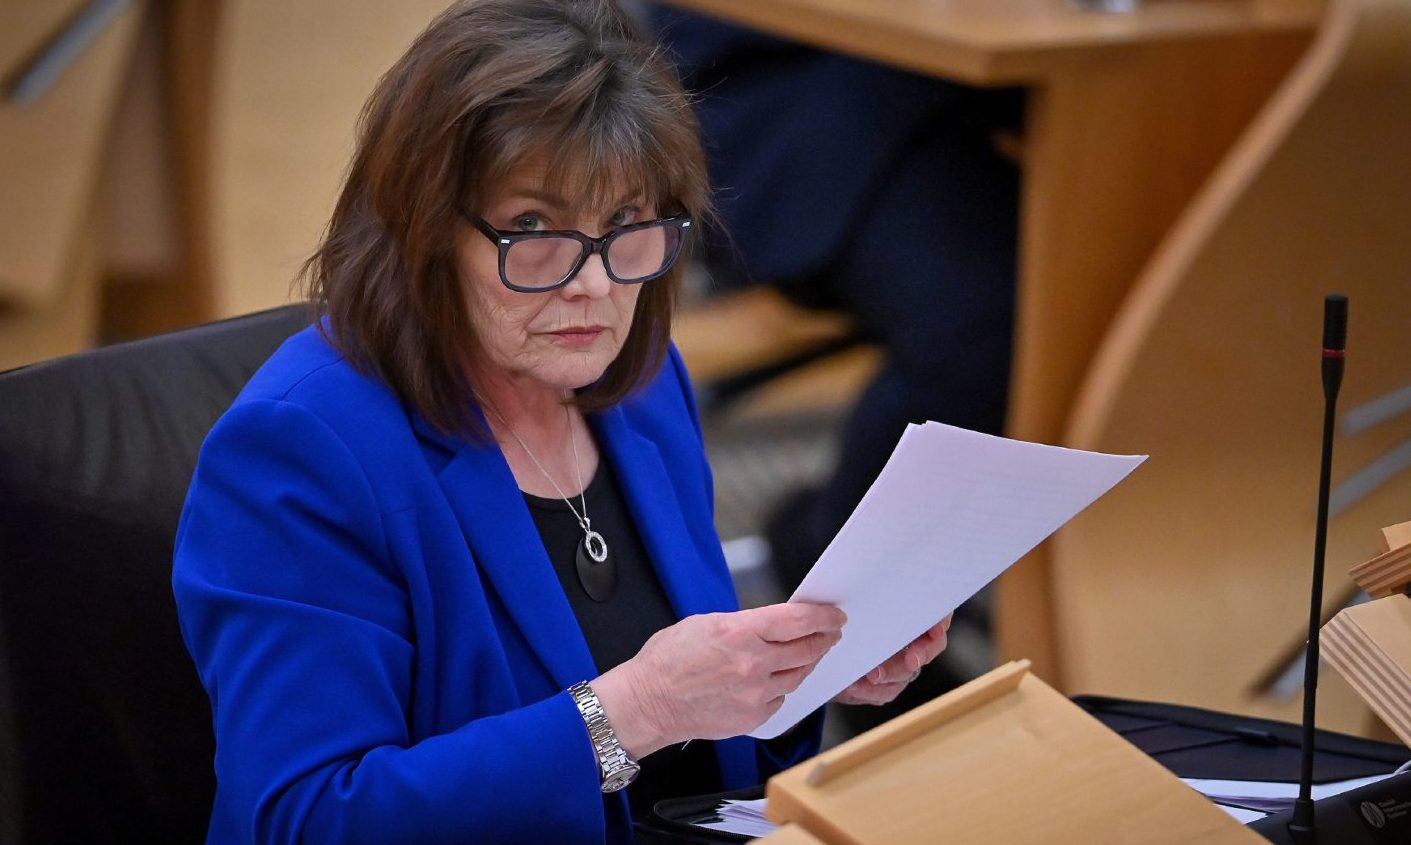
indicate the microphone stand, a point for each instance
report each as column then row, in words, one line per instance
column 1302, row 826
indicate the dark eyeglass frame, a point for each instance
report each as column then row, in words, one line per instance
column 503, row 240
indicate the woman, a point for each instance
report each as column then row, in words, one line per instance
column 447, row 566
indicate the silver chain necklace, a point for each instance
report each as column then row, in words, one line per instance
column 593, row 542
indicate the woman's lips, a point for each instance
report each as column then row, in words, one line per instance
column 578, row 335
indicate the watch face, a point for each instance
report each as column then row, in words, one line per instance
column 620, row 778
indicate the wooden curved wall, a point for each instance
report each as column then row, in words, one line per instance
column 1189, row 582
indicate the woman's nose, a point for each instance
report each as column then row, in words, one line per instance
column 591, row 280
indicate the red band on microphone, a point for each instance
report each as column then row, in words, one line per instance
column 1333, row 353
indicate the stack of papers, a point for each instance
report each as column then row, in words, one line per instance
column 745, row 818
column 1248, row 800
column 951, row 510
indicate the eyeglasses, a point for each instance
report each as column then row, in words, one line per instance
column 533, row 262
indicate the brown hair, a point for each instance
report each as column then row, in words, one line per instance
column 489, row 85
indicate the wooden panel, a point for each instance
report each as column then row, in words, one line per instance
column 157, row 197
column 790, row 834
column 50, row 149
column 1370, row 646
column 1114, row 152
column 136, row 187
column 1387, row 574
column 1190, row 583
column 291, row 80
column 65, row 323
column 1024, row 765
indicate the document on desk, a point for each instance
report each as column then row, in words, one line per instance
column 951, row 510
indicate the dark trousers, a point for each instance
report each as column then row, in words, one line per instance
column 930, row 275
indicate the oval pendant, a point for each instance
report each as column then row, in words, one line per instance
column 596, row 574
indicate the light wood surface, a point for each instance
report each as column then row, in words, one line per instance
column 64, row 323
column 1024, row 765
column 50, row 154
column 734, row 334
column 1396, row 536
column 50, row 149
column 292, row 78
column 1114, row 151
column 1126, row 118
column 1370, row 646
column 790, row 834
column 912, row 726
column 152, row 210
column 1386, row 574
column 756, row 327
column 195, row 27
column 990, row 42
column 136, row 185
column 1189, row 583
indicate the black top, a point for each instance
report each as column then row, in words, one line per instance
column 616, row 629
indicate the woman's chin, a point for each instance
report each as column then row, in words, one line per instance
column 584, row 367
column 582, row 374
column 557, row 369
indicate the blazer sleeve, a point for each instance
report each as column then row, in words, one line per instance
column 300, row 627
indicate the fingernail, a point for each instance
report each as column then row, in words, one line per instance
column 913, row 662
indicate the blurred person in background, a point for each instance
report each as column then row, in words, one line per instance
column 853, row 186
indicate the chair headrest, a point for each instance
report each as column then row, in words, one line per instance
column 102, row 717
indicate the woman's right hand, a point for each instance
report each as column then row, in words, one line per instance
column 715, row 675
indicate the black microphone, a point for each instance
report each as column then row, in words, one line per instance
column 1302, row 826
column 1334, row 347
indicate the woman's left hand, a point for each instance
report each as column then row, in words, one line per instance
column 886, row 682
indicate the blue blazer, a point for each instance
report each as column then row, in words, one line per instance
column 383, row 639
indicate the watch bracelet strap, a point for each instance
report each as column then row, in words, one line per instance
column 612, row 757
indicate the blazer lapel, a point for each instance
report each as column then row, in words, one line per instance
column 687, row 578
column 657, row 514
column 505, row 542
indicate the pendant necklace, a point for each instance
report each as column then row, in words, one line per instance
column 595, row 573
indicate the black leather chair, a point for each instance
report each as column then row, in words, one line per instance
column 105, row 731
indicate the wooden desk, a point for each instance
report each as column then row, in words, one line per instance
column 1127, row 115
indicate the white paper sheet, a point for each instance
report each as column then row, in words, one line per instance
column 1239, row 814
column 951, row 510
column 1269, row 796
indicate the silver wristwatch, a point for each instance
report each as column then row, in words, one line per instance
column 615, row 766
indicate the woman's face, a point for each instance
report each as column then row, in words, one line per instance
column 562, row 339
